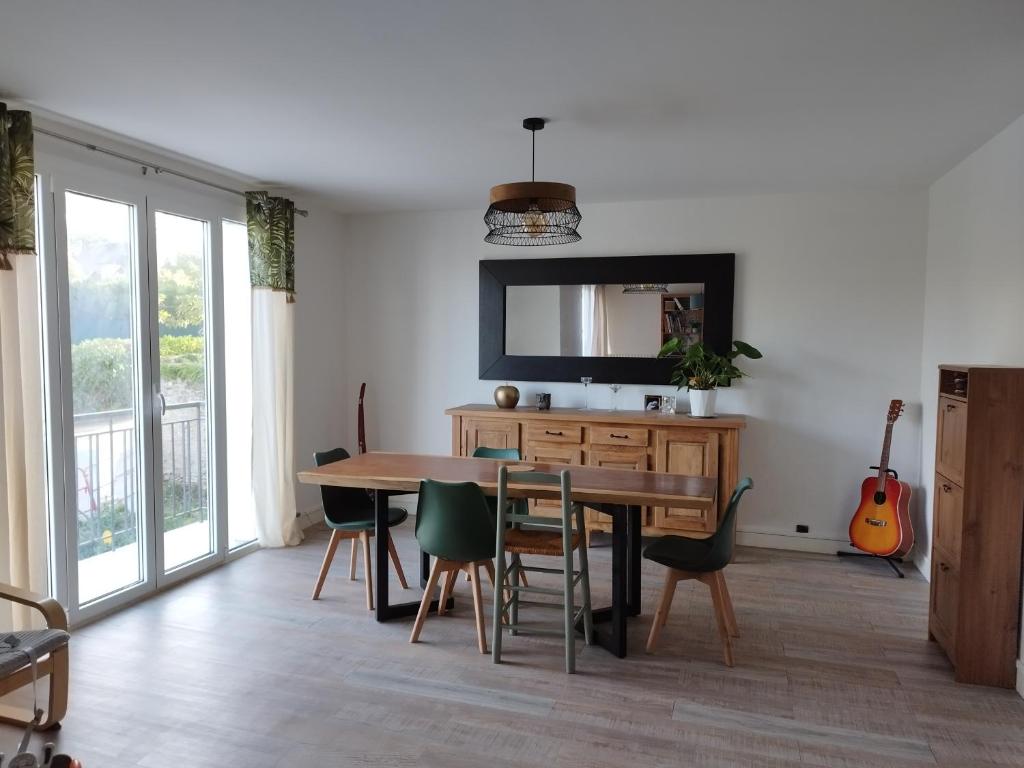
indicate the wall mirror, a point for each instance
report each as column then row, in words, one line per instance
column 560, row 319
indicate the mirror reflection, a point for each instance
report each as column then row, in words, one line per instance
column 612, row 320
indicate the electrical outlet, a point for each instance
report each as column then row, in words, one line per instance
column 801, row 528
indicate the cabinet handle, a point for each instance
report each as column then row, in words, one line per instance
column 947, row 488
column 618, row 437
column 943, row 567
column 950, row 407
column 555, row 434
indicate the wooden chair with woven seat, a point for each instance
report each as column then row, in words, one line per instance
column 348, row 512
column 501, row 454
column 703, row 560
column 455, row 526
column 49, row 647
column 546, row 537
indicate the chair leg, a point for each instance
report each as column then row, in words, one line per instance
column 352, row 560
column 449, row 586
column 364, row 536
column 730, row 614
column 515, row 595
column 588, row 616
column 332, row 546
column 723, row 626
column 478, row 607
column 398, row 563
column 661, row 616
column 500, row 579
column 568, row 595
column 428, row 593
column 58, row 703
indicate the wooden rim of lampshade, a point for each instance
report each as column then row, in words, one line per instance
column 546, row 195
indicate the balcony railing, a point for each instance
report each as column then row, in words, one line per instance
column 108, row 481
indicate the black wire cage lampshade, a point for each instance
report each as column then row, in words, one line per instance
column 533, row 212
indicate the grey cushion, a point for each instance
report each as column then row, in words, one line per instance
column 37, row 642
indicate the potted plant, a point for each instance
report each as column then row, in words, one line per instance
column 703, row 370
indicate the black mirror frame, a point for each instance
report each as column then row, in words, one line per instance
column 715, row 270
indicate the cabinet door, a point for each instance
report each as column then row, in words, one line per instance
column 945, row 604
column 949, row 517
column 489, row 433
column 686, row 452
column 951, row 439
column 551, row 453
column 626, row 457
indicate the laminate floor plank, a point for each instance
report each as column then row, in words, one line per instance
column 239, row 666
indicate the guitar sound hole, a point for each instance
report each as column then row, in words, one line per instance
column 879, row 498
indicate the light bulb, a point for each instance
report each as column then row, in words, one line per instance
column 535, row 221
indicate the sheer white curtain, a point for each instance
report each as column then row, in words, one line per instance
column 23, row 514
column 594, row 321
column 273, row 406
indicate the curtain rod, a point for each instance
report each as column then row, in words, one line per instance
column 146, row 164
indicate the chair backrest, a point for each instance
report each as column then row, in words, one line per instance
column 723, row 540
column 453, row 521
column 519, row 513
column 342, row 505
column 506, row 454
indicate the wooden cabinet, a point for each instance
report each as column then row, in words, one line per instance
column 978, row 516
column 686, row 452
column 636, row 440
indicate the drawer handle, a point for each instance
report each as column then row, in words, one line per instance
column 947, row 488
column 554, row 434
column 618, row 437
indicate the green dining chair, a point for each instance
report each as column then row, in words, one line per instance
column 456, row 527
column 349, row 514
column 704, row 560
column 551, row 537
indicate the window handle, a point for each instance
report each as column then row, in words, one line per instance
column 163, row 404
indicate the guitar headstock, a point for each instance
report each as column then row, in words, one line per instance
column 895, row 410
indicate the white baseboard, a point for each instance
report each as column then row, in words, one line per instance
column 796, row 542
column 1020, row 677
column 311, row 517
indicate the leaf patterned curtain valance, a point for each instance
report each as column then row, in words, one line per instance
column 17, row 185
column 271, row 226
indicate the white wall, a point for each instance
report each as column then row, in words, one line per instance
column 828, row 286
column 974, row 305
column 325, row 410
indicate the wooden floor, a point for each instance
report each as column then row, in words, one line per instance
column 239, row 667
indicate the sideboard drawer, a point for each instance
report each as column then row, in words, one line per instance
column 553, row 432
column 612, row 435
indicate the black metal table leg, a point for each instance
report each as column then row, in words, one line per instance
column 613, row 639
column 634, row 559
column 384, row 610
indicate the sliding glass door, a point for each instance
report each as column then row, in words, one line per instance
column 139, row 295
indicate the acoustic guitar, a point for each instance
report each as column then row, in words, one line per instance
column 882, row 525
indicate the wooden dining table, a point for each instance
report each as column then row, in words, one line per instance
column 618, row 493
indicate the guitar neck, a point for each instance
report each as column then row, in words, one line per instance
column 883, row 463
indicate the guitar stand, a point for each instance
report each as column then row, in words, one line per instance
column 890, row 560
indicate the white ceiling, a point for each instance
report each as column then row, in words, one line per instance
column 412, row 104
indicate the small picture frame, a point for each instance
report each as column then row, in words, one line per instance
column 652, row 403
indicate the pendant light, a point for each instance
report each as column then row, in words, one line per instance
column 533, row 212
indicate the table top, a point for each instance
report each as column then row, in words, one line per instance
column 404, row 471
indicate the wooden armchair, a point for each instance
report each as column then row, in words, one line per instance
column 52, row 645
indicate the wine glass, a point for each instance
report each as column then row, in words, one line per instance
column 585, row 381
column 615, row 395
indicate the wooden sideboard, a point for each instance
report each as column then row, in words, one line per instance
column 978, row 521
column 624, row 439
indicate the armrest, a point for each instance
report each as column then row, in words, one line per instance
column 52, row 611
